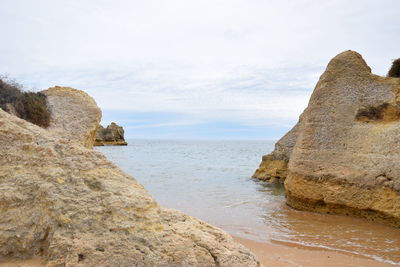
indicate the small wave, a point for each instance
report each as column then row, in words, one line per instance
column 244, row 202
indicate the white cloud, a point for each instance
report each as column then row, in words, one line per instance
column 46, row 33
column 166, row 124
column 239, row 94
column 250, row 61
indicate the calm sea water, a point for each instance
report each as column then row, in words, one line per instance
column 211, row 180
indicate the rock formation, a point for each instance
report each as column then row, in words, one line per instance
column 74, row 114
column 70, row 206
column 112, row 135
column 345, row 158
column 273, row 167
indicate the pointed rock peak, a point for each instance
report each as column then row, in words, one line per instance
column 348, row 61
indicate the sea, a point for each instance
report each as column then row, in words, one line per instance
column 211, row 180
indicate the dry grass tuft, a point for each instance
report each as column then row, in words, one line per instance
column 395, row 69
column 29, row 106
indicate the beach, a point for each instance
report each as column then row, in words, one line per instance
column 285, row 256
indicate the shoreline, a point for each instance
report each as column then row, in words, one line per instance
column 269, row 254
column 279, row 255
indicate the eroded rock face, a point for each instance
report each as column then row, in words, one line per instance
column 273, row 167
column 112, row 135
column 74, row 114
column 72, row 207
column 345, row 159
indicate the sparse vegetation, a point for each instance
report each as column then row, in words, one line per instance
column 383, row 113
column 29, row 106
column 395, row 69
column 371, row 113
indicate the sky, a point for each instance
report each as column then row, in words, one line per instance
column 193, row 69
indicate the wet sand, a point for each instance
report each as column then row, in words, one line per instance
column 289, row 255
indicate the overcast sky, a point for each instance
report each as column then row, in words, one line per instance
column 205, row 69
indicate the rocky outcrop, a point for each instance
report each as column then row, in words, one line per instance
column 74, row 114
column 70, row 206
column 345, row 158
column 112, row 135
column 273, row 167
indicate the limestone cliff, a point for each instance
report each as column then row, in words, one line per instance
column 112, row 135
column 345, row 158
column 74, row 114
column 70, row 206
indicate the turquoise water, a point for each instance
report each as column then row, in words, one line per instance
column 211, row 180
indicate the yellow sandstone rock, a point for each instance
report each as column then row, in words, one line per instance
column 346, row 151
column 74, row 114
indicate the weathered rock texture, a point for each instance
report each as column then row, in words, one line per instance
column 74, row 114
column 72, row 207
column 273, row 167
column 347, row 153
column 112, row 135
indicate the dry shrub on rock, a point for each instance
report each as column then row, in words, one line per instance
column 29, row 106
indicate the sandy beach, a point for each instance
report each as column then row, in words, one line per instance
column 283, row 255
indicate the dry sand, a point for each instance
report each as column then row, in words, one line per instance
column 286, row 255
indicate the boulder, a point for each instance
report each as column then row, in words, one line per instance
column 74, row 114
column 345, row 158
column 70, row 206
column 112, row 135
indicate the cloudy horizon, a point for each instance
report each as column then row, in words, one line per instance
column 193, row 69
